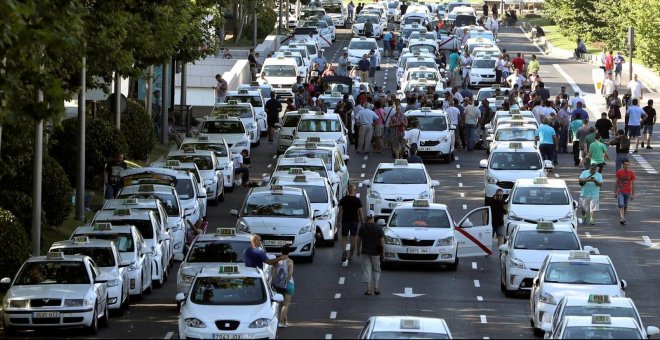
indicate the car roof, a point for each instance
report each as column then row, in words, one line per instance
column 524, row 146
column 91, row 243
column 551, row 183
column 567, row 257
column 300, row 160
column 320, row 116
column 135, row 214
column 140, row 188
column 292, row 180
column 138, row 203
column 583, row 300
column 268, row 190
column 244, row 271
column 558, row 227
column 242, row 237
column 116, row 229
column 393, row 323
column 168, row 172
column 407, row 166
column 422, row 112
column 64, row 258
column 582, row 321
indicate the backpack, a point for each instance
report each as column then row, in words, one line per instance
column 624, row 143
column 282, row 275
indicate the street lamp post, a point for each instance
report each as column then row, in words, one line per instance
column 37, row 181
column 80, row 176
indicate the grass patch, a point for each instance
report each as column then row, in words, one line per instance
column 63, row 232
column 158, row 151
column 556, row 38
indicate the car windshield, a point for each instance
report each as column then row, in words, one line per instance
column 52, row 272
column 279, row 71
column 233, row 111
column 614, row 311
column 169, row 200
column 423, row 74
column 413, row 20
column 331, row 102
column 315, row 168
column 204, row 162
column 541, row 196
column 580, row 272
column 425, row 35
column 287, row 205
column 222, row 126
column 302, row 51
column 400, row 176
column 104, row 257
column 254, row 100
column 315, row 193
column 217, row 251
column 332, row 7
column 417, row 86
column 515, row 161
column 319, row 24
column 364, row 18
column 362, row 45
column 319, row 125
column 429, row 123
column 408, row 335
column 546, row 240
column 185, row 190
column 419, row 47
column 144, row 226
column 484, row 63
column 600, row 332
column 123, row 242
column 407, row 32
column 486, row 94
column 218, row 148
column 228, row 291
column 265, row 91
column 392, row 5
column 305, row 30
column 419, row 218
column 510, row 135
column 323, row 154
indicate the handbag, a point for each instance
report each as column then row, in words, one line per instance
column 611, row 114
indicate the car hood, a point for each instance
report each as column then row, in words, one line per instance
column 534, row 258
column 559, row 290
column 281, row 80
column 209, row 314
column 394, row 190
column 512, row 175
column 420, row 233
column 358, row 53
column 537, row 212
column 60, row 291
column 230, row 138
column 275, row 225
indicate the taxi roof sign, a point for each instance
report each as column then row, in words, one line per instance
column 421, row 203
column 335, row 94
column 131, row 201
column 222, row 116
column 578, row 255
column 545, row 225
column 254, row 83
column 55, row 255
column 146, row 187
column 243, row 91
column 173, row 162
column 315, row 139
column 400, row 162
column 540, row 180
column 517, row 123
column 296, row 171
column 426, row 109
column 103, row 226
column 599, row 298
column 203, row 138
column 310, row 145
column 81, row 239
column 276, row 188
column 228, row 269
column 301, row 178
column 514, row 111
column 515, row 145
column 189, row 149
column 601, row 319
column 495, row 86
column 122, row 212
column 225, row 232
column 410, row 324
column 303, row 111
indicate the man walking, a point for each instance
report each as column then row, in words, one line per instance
column 348, row 220
column 625, row 189
column 634, row 116
column 498, row 210
column 373, row 66
column 366, row 119
column 547, row 139
column 598, row 153
column 622, row 144
column 112, row 175
column 363, row 67
column 591, row 181
column 647, row 123
column 220, row 89
column 273, row 109
column 255, row 257
column 472, row 116
column 371, row 247
column 636, row 88
column 342, row 67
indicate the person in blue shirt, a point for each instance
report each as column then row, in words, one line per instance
column 255, row 257
column 580, row 112
column 412, row 157
column 454, row 59
column 591, row 181
column 547, row 139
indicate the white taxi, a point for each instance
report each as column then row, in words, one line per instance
column 396, row 183
column 131, row 247
column 245, row 112
column 281, row 216
column 56, row 290
column 405, row 327
column 600, row 326
column 286, row 129
column 209, row 167
column 230, row 129
column 437, row 136
column 284, row 165
column 229, row 302
column 325, row 32
column 576, row 273
column 358, row 47
column 280, row 72
column 108, row 260
column 508, row 162
column 323, row 126
column 512, row 131
column 222, row 247
column 257, row 100
column 426, row 233
column 432, row 76
column 540, row 199
column 332, row 159
column 303, row 63
column 222, row 154
column 401, row 62
column 422, row 44
column 360, row 21
column 527, row 247
column 322, row 198
column 482, row 72
column 584, row 305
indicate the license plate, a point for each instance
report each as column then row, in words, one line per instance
column 228, row 336
column 417, row 251
column 425, row 148
column 275, row 242
column 39, row 315
column 394, row 205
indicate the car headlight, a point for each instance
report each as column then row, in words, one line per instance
column 568, row 217
column 448, row 241
column 474, row 75
column 444, row 139
column 340, row 140
column 19, row 303
column 392, row 240
column 112, row 283
column 187, row 279
column 517, row 263
column 241, row 143
column 424, row 196
column 243, row 227
column 74, row 302
column 178, row 245
column 547, row 298
column 306, row 229
column 514, row 217
column 260, row 323
column 249, row 126
column 324, row 216
column 195, row 323
column 491, row 180
column 374, row 195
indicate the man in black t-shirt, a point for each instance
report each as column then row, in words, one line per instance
column 647, row 123
column 273, row 108
column 371, row 247
column 498, row 210
column 111, row 175
column 349, row 219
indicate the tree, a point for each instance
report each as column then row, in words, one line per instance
column 14, row 244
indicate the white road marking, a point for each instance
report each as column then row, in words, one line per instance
column 274, row 156
column 366, row 157
column 480, row 298
column 342, row 280
column 462, row 195
column 483, row 319
column 269, row 166
column 360, row 185
column 644, row 164
column 264, row 175
column 385, row 78
column 459, row 175
column 338, row 296
column 333, row 315
column 168, row 335
column 364, row 166
column 557, row 175
column 458, row 166
column 568, row 78
column 328, row 336
column 474, row 265
column 477, row 284
column 464, row 206
column 587, row 234
column 362, row 175
column 455, row 158
column 460, row 185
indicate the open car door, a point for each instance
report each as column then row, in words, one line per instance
column 474, row 233
column 341, row 84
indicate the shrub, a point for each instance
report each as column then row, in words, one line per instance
column 14, row 244
column 267, row 18
column 136, row 127
column 20, row 204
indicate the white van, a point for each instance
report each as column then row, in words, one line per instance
column 281, row 73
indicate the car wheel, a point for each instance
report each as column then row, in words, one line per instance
column 221, row 196
column 159, row 283
column 149, row 289
column 93, row 327
column 454, row 266
column 105, row 320
column 538, row 332
column 230, row 188
column 257, row 143
column 126, row 304
column 310, row 259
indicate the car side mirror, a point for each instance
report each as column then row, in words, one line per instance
column 103, row 278
column 452, row 128
column 624, row 284
column 5, row 281
column 504, row 248
column 208, row 181
column 124, row 264
column 483, row 163
column 548, row 164
column 164, row 236
column 144, row 250
column 489, row 127
column 201, row 192
column 652, row 330
column 345, row 158
column 317, row 214
column 345, row 48
column 180, row 297
column 366, row 183
column 535, row 282
column 575, row 204
column 278, row 298
column 381, row 223
column 489, row 139
column 435, row 183
column 233, row 212
column 546, row 327
column 591, row 250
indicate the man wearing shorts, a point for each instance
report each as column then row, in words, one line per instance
column 590, row 181
column 635, row 114
column 625, row 189
column 349, row 219
column 498, row 210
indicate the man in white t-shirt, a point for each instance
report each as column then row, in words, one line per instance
column 576, row 98
column 413, row 135
column 240, row 168
column 636, row 88
column 608, row 86
column 515, row 78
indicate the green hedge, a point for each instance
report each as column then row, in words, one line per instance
column 14, row 244
column 266, row 19
column 136, row 126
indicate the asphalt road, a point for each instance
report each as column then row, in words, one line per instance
column 329, row 300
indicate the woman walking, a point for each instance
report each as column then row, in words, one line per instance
column 614, row 110
column 282, row 275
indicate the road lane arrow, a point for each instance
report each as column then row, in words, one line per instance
column 647, row 242
column 407, row 293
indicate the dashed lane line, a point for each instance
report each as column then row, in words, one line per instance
column 458, row 166
column 328, row 336
column 360, row 185
column 483, row 319
column 357, row 195
column 364, row 166
column 362, row 175
column 462, row 195
column 338, row 296
column 480, row 298
column 269, row 166
column 333, row 315
column 477, row 284
column 587, row 234
column 169, row 335
column 342, row 280
column 464, row 206
column 459, row 175
column 460, row 185
column 366, row 157
column 474, row 265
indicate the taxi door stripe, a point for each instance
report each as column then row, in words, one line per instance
column 446, row 41
column 474, row 240
column 326, row 40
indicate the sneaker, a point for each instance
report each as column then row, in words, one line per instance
column 584, row 215
column 591, row 221
column 648, row 147
column 642, row 144
column 343, row 257
column 282, row 325
column 352, row 259
column 622, row 222
column 635, row 152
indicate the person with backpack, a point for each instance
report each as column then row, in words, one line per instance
column 282, row 283
column 622, row 145
column 368, row 28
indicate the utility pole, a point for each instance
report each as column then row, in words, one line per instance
column 117, row 100
column 165, row 92
column 147, row 99
column 254, row 34
column 80, row 176
column 37, row 181
column 279, row 25
column 631, row 46
column 184, row 95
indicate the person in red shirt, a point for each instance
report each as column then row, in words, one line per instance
column 625, row 189
column 519, row 63
column 609, row 62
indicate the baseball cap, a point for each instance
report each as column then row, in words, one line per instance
column 371, row 213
